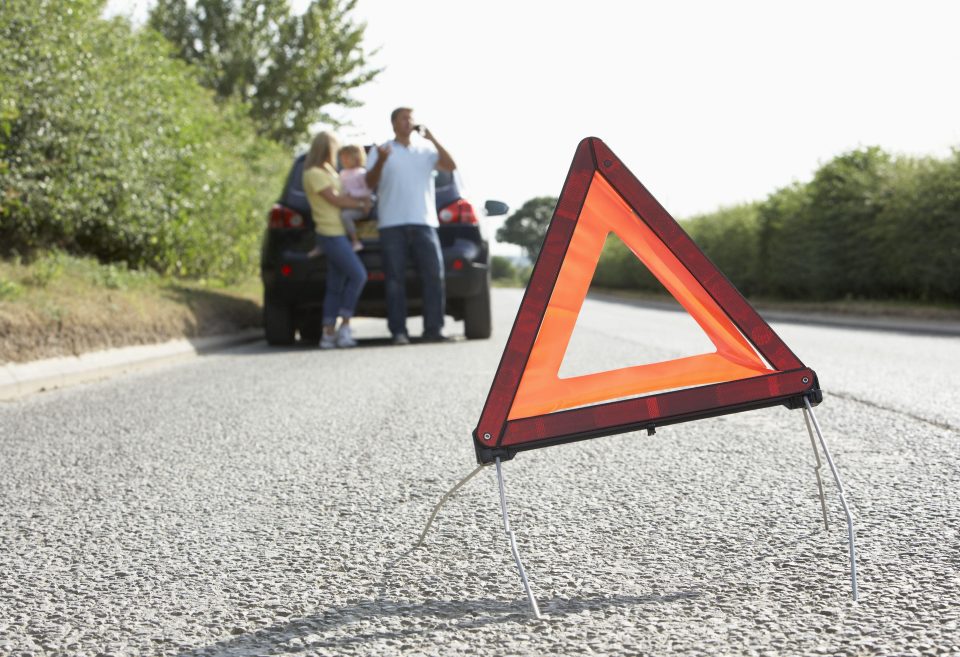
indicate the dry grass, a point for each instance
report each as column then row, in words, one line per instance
column 60, row 305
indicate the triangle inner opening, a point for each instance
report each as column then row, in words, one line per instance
column 728, row 357
column 612, row 332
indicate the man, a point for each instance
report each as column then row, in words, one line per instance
column 401, row 172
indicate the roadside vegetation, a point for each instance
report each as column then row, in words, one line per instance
column 137, row 164
column 61, row 304
column 506, row 273
column 149, row 156
column 869, row 227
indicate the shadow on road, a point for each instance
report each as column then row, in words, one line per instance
column 424, row 618
column 213, row 312
column 261, row 348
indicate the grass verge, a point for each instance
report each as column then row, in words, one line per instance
column 60, row 305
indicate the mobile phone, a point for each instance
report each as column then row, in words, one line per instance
column 420, row 129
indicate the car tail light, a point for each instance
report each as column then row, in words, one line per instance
column 283, row 217
column 458, row 264
column 458, row 212
column 286, row 270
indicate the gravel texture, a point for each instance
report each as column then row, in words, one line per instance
column 267, row 501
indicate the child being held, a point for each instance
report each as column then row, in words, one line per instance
column 353, row 176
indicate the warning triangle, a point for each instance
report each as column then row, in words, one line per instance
column 530, row 406
column 614, row 331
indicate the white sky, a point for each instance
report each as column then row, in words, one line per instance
column 708, row 103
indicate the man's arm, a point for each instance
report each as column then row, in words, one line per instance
column 445, row 161
column 373, row 173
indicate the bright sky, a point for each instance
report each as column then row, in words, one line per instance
column 708, row 103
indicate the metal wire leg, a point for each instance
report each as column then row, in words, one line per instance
column 443, row 499
column 843, row 499
column 513, row 543
column 816, row 469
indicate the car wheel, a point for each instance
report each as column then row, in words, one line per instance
column 477, row 322
column 278, row 323
column 311, row 326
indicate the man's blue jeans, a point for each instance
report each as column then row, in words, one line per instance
column 424, row 244
column 346, row 277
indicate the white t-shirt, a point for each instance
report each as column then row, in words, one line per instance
column 405, row 194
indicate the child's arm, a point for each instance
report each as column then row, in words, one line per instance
column 343, row 201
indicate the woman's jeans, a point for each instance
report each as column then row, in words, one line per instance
column 346, row 277
column 424, row 244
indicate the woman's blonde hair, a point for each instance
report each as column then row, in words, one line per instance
column 323, row 150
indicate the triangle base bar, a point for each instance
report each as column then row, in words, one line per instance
column 788, row 389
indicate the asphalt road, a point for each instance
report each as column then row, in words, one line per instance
column 265, row 501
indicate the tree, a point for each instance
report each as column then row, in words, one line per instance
column 527, row 226
column 289, row 70
column 109, row 147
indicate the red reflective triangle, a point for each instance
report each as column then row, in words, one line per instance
column 530, row 406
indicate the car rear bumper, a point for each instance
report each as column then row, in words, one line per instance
column 296, row 278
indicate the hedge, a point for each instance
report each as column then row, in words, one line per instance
column 867, row 226
column 111, row 148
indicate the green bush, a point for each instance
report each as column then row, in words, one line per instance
column 111, row 148
column 523, row 274
column 502, row 269
column 9, row 290
column 47, row 268
column 867, row 226
column 917, row 232
column 729, row 238
column 619, row 268
column 846, row 196
column 786, row 249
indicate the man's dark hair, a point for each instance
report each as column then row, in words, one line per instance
column 393, row 114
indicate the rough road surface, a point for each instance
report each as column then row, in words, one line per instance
column 266, row 502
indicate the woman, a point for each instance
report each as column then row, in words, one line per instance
column 346, row 275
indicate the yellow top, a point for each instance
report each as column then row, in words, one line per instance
column 326, row 216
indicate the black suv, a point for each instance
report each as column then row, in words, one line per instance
column 294, row 281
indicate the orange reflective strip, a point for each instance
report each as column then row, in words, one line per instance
column 541, row 390
column 555, row 394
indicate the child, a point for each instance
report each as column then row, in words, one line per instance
column 353, row 177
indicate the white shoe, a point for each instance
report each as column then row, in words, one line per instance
column 345, row 338
column 328, row 341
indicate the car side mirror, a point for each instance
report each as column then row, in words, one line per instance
column 495, row 208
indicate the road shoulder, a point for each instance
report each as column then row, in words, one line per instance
column 947, row 325
column 21, row 379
